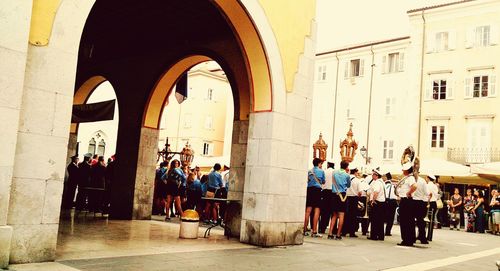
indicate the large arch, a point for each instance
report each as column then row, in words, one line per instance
column 276, row 119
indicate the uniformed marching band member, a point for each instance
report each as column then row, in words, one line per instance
column 377, row 203
column 433, row 190
column 353, row 194
column 363, row 201
column 404, row 190
column 326, row 198
column 420, row 198
column 391, row 204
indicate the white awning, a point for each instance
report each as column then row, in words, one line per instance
column 441, row 167
column 487, row 168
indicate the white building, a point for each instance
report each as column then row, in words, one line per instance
column 366, row 85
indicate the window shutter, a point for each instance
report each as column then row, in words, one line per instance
column 211, row 149
column 492, row 86
column 361, row 67
column 468, row 89
column 431, row 43
column 452, row 39
column 401, row 61
column 384, row 64
column 346, row 70
column 493, row 34
column 469, row 39
column 449, row 89
column 428, row 90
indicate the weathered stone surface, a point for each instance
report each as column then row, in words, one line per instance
column 33, row 243
column 26, row 201
column 5, row 185
column 5, row 240
column 15, row 15
column 52, row 201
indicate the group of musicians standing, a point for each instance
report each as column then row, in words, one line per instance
column 345, row 198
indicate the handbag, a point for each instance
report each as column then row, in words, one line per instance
column 439, row 204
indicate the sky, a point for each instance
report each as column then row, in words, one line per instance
column 347, row 22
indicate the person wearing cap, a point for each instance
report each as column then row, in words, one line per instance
column 404, row 190
column 391, row 203
column 326, row 198
column 433, row 195
column 353, row 193
column 340, row 182
column 84, row 170
column 70, row 183
column 315, row 178
column 420, row 198
column 363, row 186
column 377, row 203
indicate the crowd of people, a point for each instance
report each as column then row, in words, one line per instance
column 345, row 201
column 180, row 187
column 93, row 179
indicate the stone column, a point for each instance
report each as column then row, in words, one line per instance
column 13, row 53
column 237, row 175
column 145, row 176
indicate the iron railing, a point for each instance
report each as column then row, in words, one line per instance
column 469, row 156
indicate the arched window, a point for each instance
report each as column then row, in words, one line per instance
column 101, row 148
column 92, row 146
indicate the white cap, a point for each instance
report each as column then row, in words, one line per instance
column 432, row 177
column 407, row 165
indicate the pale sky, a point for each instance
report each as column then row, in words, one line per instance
column 346, row 22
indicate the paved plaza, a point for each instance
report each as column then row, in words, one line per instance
column 98, row 244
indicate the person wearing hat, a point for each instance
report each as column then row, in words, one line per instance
column 326, row 198
column 420, row 198
column 404, row 190
column 353, row 194
column 433, row 195
column 391, row 203
column 377, row 203
column 84, row 170
column 70, row 183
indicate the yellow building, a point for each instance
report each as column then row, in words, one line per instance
column 457, row 55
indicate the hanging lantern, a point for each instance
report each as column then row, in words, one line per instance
column 186, row 155
column 348, row 147
column 319, row 148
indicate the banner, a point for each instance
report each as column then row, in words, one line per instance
column 93, row 112
column 181, row 88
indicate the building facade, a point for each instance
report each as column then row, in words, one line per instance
column 458, row 53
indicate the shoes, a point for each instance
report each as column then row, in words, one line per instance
column 331, row 237
column 338, row 237
column 458, row 229
column 405, row 244
column 424, row 242
column 352, row 235
column 167, row 218
column 316, row 235
column 388, row 234
column 451, row 228
column 306, row 233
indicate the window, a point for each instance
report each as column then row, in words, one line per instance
column 437, row 137
column 322, row 73
column 101, row 147
column 187, row 120
column 354, row 68
column 390, row 103
column 388, row 149
column 92, row 146
column 480, row 86
column 209, row 122
column 441, row 41
column 208, row 149
column 482, row 35
column 439, row 89
column 393, row 62
column 210, row 94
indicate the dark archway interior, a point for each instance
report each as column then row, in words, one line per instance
column 132, row 43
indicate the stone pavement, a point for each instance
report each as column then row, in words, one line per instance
column 153, row 245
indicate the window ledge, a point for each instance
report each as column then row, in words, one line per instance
column 479, row 116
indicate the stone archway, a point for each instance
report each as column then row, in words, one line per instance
column 278, row 123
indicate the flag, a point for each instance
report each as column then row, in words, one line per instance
column 181, row 88
column 93, row 112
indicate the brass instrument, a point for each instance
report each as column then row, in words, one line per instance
column 429, row 212
column 366, row 207
column 401, row 182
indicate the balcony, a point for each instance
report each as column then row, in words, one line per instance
column 467, row 156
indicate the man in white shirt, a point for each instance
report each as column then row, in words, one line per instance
column 363, row 187
column 433, row 192
column 420, row 198
column 377, row 202
column 353, row 193
column 404, row 190
column 326, row 198
column 391, row 203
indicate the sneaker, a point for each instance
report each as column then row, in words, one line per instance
column 338, row 237
column 331, row 237
column 306, row 233
column 316, row 235
column 458, row 229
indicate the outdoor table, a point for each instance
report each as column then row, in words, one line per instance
column 227, row 230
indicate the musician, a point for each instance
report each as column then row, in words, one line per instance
column 353, row 194
column 326, row 198
column 363, row 200
column 420, row 198
column 377, row 202
column 433, row 191
column 341, row 181
column 404, row 189
column 391, row 203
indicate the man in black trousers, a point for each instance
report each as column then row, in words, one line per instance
column 326, row 198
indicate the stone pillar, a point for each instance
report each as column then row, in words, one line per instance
column 13, row 53
column 145, row 176
column 237, row 175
